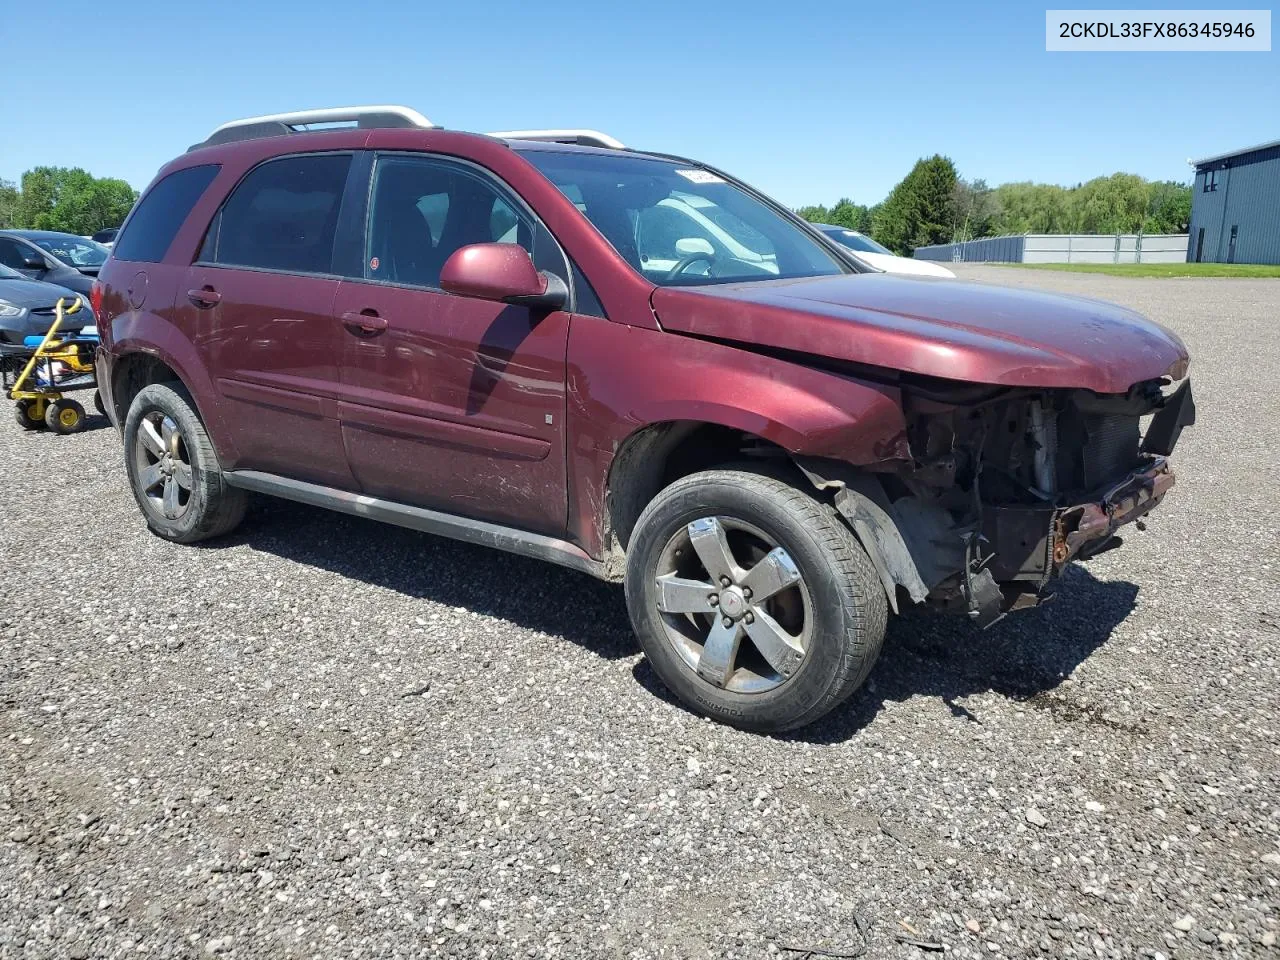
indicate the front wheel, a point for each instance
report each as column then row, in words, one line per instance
column 173, row 470
column 754, row 604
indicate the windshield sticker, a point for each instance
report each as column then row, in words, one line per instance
column 700, row 176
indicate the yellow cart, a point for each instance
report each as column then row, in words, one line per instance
column 40, row 372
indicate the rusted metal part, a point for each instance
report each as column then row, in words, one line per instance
column 1077, row 527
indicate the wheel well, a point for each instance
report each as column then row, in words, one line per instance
column 658, row 455
column 130, row 374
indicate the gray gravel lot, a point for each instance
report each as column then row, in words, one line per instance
column 324, row 737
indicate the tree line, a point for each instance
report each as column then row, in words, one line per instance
column 934, row 204
column 66, row 199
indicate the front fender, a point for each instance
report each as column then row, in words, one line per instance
column 622, row 379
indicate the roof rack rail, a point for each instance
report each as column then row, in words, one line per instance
column 586, row 138
column 302, row 121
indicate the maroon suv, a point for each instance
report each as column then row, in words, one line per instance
column 627, row 363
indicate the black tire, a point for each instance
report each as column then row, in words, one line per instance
column 98, row 404
column 22, row 414
column 64, row 416
column 212, row 507
column 846, row 600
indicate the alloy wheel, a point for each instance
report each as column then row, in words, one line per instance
column 734, row 605
column 163, row 465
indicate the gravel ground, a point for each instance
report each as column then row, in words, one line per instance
column 324, row 737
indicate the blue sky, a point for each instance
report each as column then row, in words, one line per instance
column 807, row 101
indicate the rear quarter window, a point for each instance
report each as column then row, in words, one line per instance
column 155, row 222
column 283, row 216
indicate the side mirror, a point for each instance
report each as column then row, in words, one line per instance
column 689, row 246
column 33, row 261
column 503, row 272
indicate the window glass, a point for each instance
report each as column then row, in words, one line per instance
column 660, row 228
column 72, row 250
column 161, row 213
column 855, row 241
column 423, row 210
column 680, row 224
column 284, row 215
column 11, row 253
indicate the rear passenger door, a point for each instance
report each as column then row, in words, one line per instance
column 263, row 288
column 452, row 402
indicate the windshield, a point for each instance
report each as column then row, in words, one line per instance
column 76, row 251
column 855, row 241
column 680, row 225
column 8, row 273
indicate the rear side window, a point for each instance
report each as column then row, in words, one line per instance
column 161, row 213
column 282, row 216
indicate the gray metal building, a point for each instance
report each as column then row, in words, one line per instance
column 1235, row 207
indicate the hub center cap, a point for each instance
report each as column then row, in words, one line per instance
column 732, row 603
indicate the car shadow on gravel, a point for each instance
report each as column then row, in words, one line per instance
column 1024, row 657
column 530, row 593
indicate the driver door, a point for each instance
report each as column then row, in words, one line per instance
column 452, row 402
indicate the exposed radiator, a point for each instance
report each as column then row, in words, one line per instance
column 1111, row 448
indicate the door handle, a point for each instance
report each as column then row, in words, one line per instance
column 367, row 322
column 205, row 298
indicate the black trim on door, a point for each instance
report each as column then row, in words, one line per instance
column 348, row 244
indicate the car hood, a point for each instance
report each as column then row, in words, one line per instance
column 957, row 331
column 33, row 294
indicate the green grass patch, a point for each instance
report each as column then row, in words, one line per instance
column 1157, row 269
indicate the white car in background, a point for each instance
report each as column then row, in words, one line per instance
column 879, row 257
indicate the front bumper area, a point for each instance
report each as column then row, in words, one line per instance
column 1078, row 531
column 1023, row 548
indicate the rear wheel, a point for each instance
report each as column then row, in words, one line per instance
column 753, row 602
column 27, row 413
column 173, row 471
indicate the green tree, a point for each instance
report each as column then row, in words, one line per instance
column 1168, row 207
column 1031, row 208
column 815, row 214
column 921, row 209
column 975, row 208
column 72, row 200
column 848, row 214
column 1114, row 204
column 8, row 205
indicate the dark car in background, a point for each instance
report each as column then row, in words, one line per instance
column 106, row 237
column 27, row 307
column 61, row 258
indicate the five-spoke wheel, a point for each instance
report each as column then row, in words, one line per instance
column 164, row 470
column 740, row 626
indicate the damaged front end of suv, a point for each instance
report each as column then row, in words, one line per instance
column 1005, row 486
